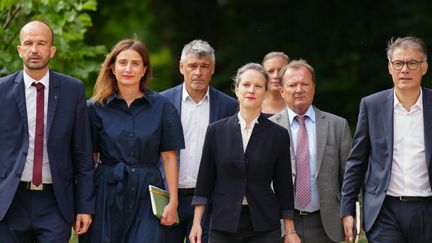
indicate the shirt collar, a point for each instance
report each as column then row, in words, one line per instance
column 148, row 97
column 28, row 81
column 419, row 102
column 309, row 113
column 185, row 94
column 242, row 121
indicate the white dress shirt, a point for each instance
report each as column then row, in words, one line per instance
column 30, row 95
column 195, row 118
column 246, row 134
column 313, row 205
column 245, row 131
column 409, row 174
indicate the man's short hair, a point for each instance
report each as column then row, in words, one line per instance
column 297, row 64
column 408, row 42
column 198, row 48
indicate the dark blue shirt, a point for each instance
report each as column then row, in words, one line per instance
column 135, row 134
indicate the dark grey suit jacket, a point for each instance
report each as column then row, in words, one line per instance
column 333, row 143
column 371, row 158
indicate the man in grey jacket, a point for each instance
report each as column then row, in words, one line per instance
column 319, row 148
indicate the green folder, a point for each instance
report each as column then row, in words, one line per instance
column 159, row 199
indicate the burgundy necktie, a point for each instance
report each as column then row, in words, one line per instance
column 39, row 134
column 303, row 186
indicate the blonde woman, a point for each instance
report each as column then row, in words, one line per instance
column 242, row 155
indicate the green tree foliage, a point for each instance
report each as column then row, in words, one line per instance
column 69, row 20
column 135, row 19
column 344, row 41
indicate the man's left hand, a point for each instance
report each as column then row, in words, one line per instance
column 82, row 223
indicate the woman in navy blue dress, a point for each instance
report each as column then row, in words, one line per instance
column 132, row 127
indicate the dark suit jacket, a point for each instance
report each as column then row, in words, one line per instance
column 371, row 157
column 68, row 142
column 221, row 105
column 333, row 144
column 227, row 174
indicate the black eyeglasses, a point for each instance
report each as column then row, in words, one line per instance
column 411, row 64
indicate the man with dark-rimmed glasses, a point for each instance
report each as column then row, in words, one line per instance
column 391, row 153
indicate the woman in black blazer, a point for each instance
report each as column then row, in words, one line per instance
column 242, row 156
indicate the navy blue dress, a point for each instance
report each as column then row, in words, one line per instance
column 129, row 141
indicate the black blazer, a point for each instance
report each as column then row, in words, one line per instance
column 227, row 174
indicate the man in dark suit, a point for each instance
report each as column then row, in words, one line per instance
column 329, row 140
column 391, row 154
column 46, row 171
column 198, row 104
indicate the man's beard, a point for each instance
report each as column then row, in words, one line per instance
column 36, row 66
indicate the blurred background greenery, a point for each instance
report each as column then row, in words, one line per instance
column 343, row 40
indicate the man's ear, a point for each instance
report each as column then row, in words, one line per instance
column 19, row 51
column 181, row 66
column 424, row 66
column 389, row 66
column 53, row 51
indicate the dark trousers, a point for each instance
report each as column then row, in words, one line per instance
column 310, row 229
column 34, row 217
column 402, row 222
column 245, row 233
column 177, row 233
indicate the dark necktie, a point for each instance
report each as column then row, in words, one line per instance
column 303, row 186
column 39, row 134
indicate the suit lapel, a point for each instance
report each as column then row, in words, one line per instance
column 387, row 120
column 54, row 89
column 282, row 119
column 321, row 131
column 177, row 98
column 20, row 98
column 214, row 107
column 237, row 137
column 427, row 120
column 256, row 132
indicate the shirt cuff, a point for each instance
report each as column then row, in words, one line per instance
column 198, row 200
column 287, row 214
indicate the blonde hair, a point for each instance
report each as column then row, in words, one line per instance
column 275, row 54
column 106, row 83
column 250, row 66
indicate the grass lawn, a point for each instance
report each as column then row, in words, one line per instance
column 73, row 239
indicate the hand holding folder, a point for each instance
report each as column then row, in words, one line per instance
column 159, row 199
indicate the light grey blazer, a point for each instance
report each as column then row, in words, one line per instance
column 333, row 145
